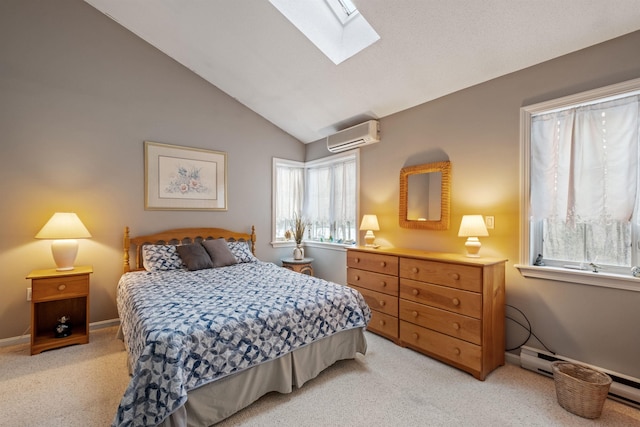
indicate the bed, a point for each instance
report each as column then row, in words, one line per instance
column 205, row 339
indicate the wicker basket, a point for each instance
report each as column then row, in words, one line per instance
column 580, row 390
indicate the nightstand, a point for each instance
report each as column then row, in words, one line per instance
column 55, row 294
column 300, row 265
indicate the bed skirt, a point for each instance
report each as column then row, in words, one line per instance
column 220, row 399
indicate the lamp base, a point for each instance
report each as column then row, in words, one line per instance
column 473, row 246
column 64, row 253
column 369, row 238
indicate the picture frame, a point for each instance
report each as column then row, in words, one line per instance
column 184, row 178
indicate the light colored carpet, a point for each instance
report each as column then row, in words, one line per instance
column 390, row 386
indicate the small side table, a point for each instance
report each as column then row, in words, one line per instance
column 55, row 294
column 300, row 265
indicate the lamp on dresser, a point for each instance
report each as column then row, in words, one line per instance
column 64, row 228
column 370, row 224
column 472, row 227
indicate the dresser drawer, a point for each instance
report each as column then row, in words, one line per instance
column 383, row 324
column 456, row 300
column 459, row 276
column 455, row 325
column 374, row 281
column 380, row 302
column 59, row 287
column 452, row 349
column 386, row 264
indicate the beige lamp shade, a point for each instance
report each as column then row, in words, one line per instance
column 64, row 228
column 472, row 227
column 370, row 224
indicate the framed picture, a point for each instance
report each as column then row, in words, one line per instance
column 183, row 178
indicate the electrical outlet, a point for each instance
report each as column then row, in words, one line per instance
column 490, row 222
column 28, row 294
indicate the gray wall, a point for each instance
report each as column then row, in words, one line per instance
column 79, row 95
column 478, row 130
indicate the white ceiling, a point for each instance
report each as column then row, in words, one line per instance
column 427, row 49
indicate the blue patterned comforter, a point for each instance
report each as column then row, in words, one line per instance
column 184, row 328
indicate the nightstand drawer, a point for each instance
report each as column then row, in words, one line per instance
column 463, row 302
column 455, row 325
column 374, row 281
column 380, row 302
column 59, row 287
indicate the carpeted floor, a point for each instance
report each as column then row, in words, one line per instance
column 390, row 386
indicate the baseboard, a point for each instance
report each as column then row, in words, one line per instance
column 25, row 339
column 512, row 358
column 103, row 324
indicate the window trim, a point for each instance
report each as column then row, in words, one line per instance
column 526, row 267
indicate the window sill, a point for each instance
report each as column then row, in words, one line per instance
column 311, row 244
column 585, row 277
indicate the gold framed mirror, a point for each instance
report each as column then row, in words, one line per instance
column 425, row 196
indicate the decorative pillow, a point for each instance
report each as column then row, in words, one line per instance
column 219, row 252
column 194, row 256
column 160, row 258
column 241, row 251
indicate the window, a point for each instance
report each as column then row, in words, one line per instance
column 324, row 192
column 581, row 179
column 335, row 27
column 288, row 193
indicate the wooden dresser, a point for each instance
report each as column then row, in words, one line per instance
column 447, row 306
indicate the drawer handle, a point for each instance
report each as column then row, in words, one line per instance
column 415, row 336
column 415, row 292
column 456, row 325
column 382, row 323
column 383, row 283
column 456, row 351
column 455, row 276
column 414, row 313
column 383, row 303
column 415, row 269
column 383, row 264
column 357, row 260
column 456, row 302
column 62, row 287
column 357, row 277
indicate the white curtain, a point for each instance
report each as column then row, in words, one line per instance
column 330, row 202
column 289, row 197
column 584, row 162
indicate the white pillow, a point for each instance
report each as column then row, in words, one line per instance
column 160, row 258
column 241, row 251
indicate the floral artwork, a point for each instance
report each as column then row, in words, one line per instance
column 186, row 181
column 184, row 178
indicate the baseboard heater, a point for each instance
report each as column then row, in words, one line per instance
column 624, row 388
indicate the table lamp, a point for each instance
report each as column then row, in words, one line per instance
column 64, row 228
column 472, row 227
column 370, row 224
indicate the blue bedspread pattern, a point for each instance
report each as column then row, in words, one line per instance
column 184, row 328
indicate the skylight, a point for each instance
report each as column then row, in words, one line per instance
column 336, row 27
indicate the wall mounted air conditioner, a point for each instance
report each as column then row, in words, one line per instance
column 624, row 388
column 356, row 136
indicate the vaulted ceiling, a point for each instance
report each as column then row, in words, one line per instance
column 427, row 49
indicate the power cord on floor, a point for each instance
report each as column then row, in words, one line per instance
column 527, row 328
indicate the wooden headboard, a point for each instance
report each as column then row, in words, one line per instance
column 179, row 236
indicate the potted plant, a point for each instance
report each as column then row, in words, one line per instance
column 298, row 233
